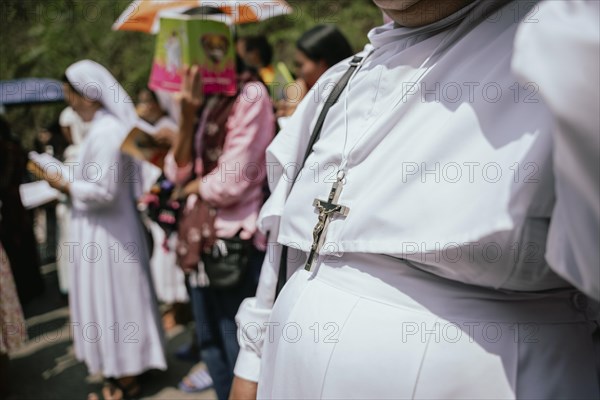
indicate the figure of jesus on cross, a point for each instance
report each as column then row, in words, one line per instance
column 327, row 209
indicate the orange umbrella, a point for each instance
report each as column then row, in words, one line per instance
column 144, row 15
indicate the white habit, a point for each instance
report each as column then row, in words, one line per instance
column 116, row 328
column 436, row 284
column 168, row 278
column 78, row 128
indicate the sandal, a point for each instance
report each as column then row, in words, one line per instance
column 127, row 391
column 196, row 381
column 108, row 391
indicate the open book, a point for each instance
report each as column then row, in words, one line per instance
column 37, row 193
column 194, row 40
column 44, row 166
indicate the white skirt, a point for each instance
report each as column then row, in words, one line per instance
column 373, row 327
column 168, row 278
column 63, row 220
column 115, row 324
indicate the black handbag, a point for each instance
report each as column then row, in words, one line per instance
column 226, row 262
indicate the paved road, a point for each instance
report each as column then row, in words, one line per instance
column 45, row 368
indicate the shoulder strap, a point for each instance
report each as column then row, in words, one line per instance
column 331, row 100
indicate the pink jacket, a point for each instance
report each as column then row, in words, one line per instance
column 235, row 186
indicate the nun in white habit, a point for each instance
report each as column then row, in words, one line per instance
column 116, row 328
column 440, row 281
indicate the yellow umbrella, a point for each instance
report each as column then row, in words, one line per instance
column 144, row 15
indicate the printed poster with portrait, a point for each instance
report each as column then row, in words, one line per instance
column 192, row 40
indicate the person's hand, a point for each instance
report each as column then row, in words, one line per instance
column 293, row 96
column 191, row 96
column 54, row 180
column 242, row 389
column 165, row 136
column 285, row 108
column 58, row 184
column 193, row 187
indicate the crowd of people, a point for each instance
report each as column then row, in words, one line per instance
column 206, row 136
column 420, row 221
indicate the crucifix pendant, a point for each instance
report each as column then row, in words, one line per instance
column 327, row 209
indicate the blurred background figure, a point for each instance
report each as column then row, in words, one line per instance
column 74, row 130
column 169, row 280
column 317, row 50
column 49, row 140
column 16, row 226
column 234, row 132
column 257, row 53
column 149, row 108
column 110, row 286
column 55, row 46
column 13, row 331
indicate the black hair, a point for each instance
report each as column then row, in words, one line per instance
column 66, row 80
column 325, row 42
column 241, row 66
column 151, row 92
column 262, row 45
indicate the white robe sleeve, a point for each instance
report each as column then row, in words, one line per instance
column 284, row 156
column 560, row 54
column 253, row 316
column 98, row 185
column 254, row 313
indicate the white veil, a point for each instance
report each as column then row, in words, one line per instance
column 95, row 82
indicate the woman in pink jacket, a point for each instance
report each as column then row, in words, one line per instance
column 219, row 157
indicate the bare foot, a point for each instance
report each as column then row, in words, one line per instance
column 125, row 387
column 168, row 320
column 109, row 392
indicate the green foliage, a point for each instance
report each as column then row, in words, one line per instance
column 40, row 38
column 353, row 17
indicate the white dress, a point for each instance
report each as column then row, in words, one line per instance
column 436, row 284
column 115, row 325
column 168, row 278
column 69, row 119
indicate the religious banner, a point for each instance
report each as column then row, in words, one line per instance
column 44, row 166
